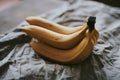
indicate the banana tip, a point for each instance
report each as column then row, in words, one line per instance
column 25, row 28
column 32, row 44
column 27, row 19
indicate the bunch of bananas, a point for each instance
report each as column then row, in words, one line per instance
column 66, row 45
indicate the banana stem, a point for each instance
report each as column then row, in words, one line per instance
column 91, row 23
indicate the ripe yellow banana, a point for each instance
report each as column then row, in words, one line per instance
column 38, row 21
column 70, row 56
column 95, row 37
column 55, row 39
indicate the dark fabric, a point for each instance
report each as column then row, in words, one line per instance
column 18, row 61
column 111, row 2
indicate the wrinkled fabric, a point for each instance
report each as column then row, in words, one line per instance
column 18, row 61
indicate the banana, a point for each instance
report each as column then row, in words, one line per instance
column 95, row 37
column 70, row 56
column 52, row 26
column 55, row 39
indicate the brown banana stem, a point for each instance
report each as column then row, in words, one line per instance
column 91, row 23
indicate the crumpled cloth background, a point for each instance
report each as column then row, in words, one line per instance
column 18, row 61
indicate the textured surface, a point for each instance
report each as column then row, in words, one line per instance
column 19, row 61
column 12, row 16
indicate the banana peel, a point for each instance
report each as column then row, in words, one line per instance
column 70, row 56
column 38, row 21
column 50, row 40
column 55, row 39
